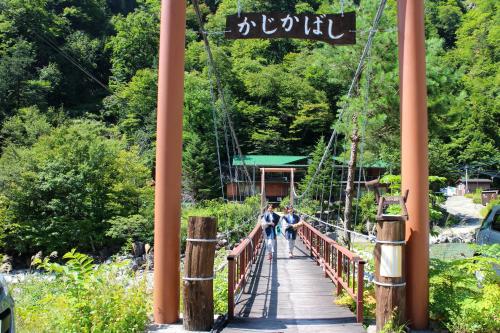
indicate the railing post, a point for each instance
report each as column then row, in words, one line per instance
column 230, row 286
column 311, row 243
column 339, row 271
column 327, row 258
column 317, row 248
column 359, row 296
column 242, row 266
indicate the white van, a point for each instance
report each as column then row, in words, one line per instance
column 489, row 233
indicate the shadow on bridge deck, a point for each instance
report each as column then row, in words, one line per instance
column 290, row 295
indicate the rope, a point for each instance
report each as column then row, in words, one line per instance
column 331, row 178
column 221, row 267
column 363, row 134
column 342, row 7
column 368, row 44
column 355, row 79
column 340, row 188
column 226, row 139
column 322, row 199
column 216, row 134
column 371, row 238
column 201, row 240
column 51, row 43
column 185, row 278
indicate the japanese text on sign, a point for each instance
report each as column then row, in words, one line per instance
column 330, row 28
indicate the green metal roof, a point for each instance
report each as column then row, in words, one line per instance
column 373, row 164
column 271, row 160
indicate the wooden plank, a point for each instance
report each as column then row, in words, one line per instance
column 290, row 295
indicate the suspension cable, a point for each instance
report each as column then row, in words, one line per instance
column 363, row 135
column 220, row 88
column 216, row 134
column 355, row 79
column 371, row 238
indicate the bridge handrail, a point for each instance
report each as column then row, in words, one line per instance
column 240, row 261
column 337, row 262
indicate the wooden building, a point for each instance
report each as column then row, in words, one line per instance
column 277, row 184
column 471, row 185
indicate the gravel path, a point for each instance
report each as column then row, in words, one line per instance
column 464, row 209
column 469, row 215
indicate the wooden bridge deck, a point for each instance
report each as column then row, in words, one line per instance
column 290, row 295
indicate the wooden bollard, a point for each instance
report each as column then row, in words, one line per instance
column 390, row 282
column 199, row 274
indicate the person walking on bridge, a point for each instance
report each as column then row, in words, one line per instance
column 290, row 221
column 269, row 222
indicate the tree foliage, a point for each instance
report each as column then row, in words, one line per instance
column 71, row 64
column 62, row 191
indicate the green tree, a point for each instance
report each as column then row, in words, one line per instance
column 133, row 108
column 135, row 45
column 321, row 184
column 200, row 174
column 15, row 63
column 477, row 108
column 25, row 127
column 60, row 193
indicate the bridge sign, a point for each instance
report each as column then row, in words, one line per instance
column 331, row 28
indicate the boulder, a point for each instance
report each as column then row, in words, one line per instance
column 138, row 249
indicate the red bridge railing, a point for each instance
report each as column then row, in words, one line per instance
column 343, row 267
column 240, row 264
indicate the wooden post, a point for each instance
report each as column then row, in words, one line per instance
column 231, row 271
column 359, row 294
column 198, row 274
column 390, row 282
column 339, row 271
column 262, row 188
column 327, row 258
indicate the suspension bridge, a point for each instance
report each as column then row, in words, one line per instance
column 269, row 294
column 297, row 294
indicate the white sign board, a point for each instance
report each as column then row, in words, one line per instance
column 391, row 261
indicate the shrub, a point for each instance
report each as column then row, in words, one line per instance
column 82, row 297
column 220, row 284
column 234, row 219
column 463, row 292
column 485, row 210
column 367, row 208
column 476, row 198
column 478, row 315
column 369, row 302
column 59, row 193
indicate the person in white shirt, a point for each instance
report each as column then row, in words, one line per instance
column 288, row 221
column 269, row 221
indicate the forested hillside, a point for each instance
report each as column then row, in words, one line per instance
column 78, row 104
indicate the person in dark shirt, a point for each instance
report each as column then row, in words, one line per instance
column 269, row 221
